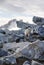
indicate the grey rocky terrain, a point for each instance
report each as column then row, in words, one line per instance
column 24, row 46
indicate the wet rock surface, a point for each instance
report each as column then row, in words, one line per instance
column 24, row 46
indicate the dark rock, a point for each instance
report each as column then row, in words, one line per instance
column 1, row 44
column 36, row 63
column 41, row 58
column 21, row 60
column 26, row 63
column 3, row 53
column 21, row 24
column 38, row 20
column 3, row 38
column 33, row 37
column 18, row 38
column 10, row 61
column 2, row 31
column 1, row 62
column 41, row 31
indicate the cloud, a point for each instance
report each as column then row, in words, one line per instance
column 13, row 8
column 3, row 21
column 23, row 7
column 1, row 1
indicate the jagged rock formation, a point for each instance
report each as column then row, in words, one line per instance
column 24, row 46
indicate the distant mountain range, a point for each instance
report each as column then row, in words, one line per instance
column 17, row 25
column 10, row 25
column 14, row 24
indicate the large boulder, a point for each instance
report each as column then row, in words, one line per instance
column 34, row 51
column 38, row 20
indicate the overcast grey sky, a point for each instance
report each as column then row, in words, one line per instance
column 21, row 8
